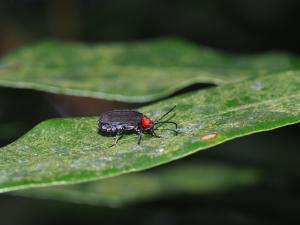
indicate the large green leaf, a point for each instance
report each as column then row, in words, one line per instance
column 64, row 151
column 130, row 72
column 188, row 178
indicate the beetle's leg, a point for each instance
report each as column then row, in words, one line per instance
column 118, row 137
column 154, row 134
column 140, row 137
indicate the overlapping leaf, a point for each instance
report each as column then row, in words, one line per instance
column 130, row 72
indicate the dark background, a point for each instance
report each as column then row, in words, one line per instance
column 233, row 25
column 245, row 26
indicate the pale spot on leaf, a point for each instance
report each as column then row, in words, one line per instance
column 209, row 137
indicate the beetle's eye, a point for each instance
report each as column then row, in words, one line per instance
column 146, row 122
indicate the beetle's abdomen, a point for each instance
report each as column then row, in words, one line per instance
column 113, row 129
column 119, row 121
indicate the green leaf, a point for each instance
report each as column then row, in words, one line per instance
column 187, row 178
column 65, row 151
column 130, row 72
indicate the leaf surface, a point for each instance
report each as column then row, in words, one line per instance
column 66, row 151
column 187, row 178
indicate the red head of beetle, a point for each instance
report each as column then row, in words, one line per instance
column 146, row 123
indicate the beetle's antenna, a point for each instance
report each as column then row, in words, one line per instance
column 171, row 117
column 157, row 121
column 167, row 120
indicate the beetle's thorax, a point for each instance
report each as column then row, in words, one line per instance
column 146, row 123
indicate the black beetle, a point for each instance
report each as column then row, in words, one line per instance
column 119, row 122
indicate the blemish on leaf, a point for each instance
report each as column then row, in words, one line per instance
column 160, row 150
column 257, row 85
column 72, row 151
column 209, row 137
column 102, row 153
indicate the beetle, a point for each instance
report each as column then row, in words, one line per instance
column 119, row 122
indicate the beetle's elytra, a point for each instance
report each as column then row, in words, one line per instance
column 119, row 122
